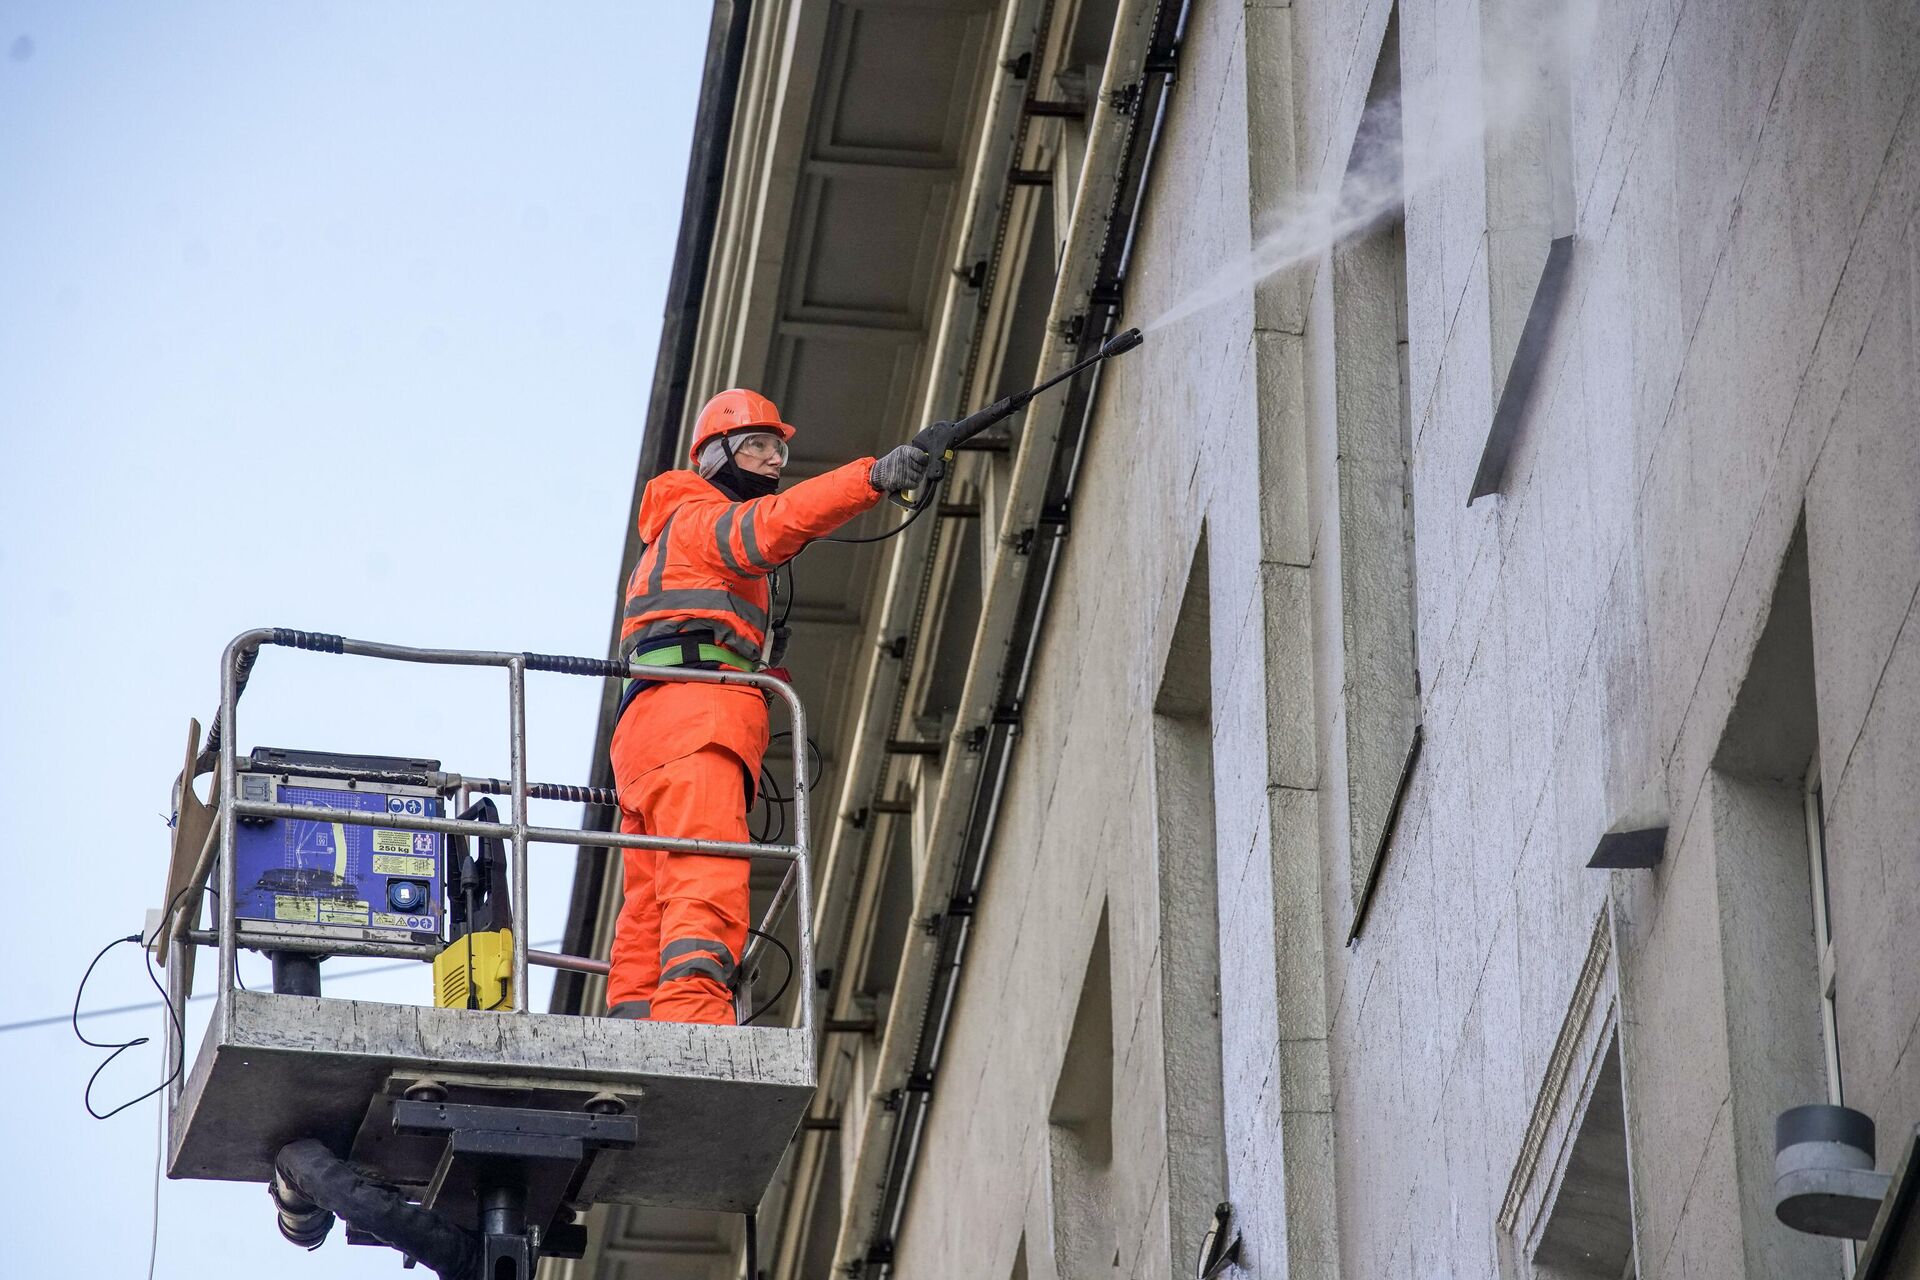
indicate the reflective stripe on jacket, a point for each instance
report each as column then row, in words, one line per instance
column 707, row 558
column 705, row 567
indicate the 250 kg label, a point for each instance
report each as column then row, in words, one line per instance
column 403, row 841
column 394, row 864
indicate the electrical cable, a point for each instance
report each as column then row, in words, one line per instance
column 159, row 1159
column 29, row 1024
column 784, row 982
column 180, row 1034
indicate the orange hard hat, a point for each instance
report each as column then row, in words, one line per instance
column 736, row 410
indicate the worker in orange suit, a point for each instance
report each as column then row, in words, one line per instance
column 686, row 756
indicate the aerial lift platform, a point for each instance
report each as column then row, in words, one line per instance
column 467, row 1137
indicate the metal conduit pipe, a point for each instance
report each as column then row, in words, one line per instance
column 878, row 1168
column 903, row 600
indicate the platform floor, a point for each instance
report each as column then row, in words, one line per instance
column 717, row 1105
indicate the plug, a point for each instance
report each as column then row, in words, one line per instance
column 150, row 931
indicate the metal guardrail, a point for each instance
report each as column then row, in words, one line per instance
column 519, row 832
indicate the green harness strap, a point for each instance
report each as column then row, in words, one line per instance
column 675, row 655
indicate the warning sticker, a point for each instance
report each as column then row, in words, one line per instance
column 394, row 864
column 415, row 924
column 287, row 906
column 334, row 911
column 393, row 842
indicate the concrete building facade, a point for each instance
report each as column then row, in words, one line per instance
column 1213, row 781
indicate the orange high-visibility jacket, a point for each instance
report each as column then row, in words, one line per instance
column 704, row 568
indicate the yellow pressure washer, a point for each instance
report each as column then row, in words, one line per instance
column 475, row 970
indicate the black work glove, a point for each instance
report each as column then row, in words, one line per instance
column 899, row 470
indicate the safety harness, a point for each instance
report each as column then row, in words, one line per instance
column 689, row 649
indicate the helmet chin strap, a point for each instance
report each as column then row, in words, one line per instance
column 739, row 483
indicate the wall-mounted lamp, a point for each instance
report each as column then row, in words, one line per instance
column 1823, row 1178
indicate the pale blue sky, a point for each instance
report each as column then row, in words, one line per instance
column 335, row 316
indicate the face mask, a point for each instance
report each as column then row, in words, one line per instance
column 740, row 484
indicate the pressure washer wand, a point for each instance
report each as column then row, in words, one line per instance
column 940, row 439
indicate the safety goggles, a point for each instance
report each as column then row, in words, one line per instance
column 759, row 444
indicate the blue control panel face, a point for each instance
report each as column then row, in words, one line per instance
column 318, row 871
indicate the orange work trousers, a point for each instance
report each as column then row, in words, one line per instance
column 683, row 924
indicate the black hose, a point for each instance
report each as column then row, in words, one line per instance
column 324, row 1181
column 784, row 982
column 919, row 508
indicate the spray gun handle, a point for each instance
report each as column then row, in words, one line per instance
column 931, row 440
column 940, row 438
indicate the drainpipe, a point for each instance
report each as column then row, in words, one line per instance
column 1111, row 136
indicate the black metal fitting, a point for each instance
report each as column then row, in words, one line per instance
column 295, row 973
column 318, row 641
column 849, row 1026
column 301, row 1221
column 1054, row 109
column 572, row 666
